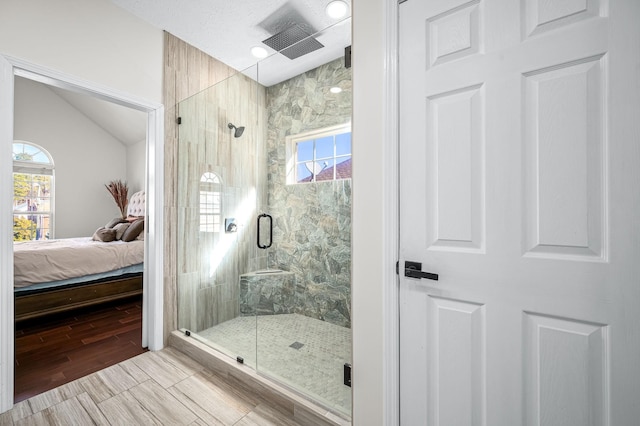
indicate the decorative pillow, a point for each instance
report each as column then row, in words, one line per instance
column 133, row 231
column 113, row 222
column 120, row 229
column 105, row 235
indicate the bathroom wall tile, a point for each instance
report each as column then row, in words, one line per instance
column 312, row 231
column 187, row 71
column 206, row 307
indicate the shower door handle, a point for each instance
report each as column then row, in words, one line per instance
column 260, row 217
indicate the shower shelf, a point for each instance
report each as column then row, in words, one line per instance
column 268, row 271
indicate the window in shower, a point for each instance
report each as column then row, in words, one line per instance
column 320, row 155
column 210, row 202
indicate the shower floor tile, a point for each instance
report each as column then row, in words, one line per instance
column 304, row 353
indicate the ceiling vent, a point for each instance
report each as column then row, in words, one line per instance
column 293, row 42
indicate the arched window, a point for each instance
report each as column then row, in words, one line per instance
column 210, row 202
column 32, row 192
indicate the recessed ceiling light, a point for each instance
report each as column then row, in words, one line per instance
column 337, row 9
column 335, row 90
column 259, row 52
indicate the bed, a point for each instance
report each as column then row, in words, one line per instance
column 53, row 276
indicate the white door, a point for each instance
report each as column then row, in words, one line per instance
column 520, row 166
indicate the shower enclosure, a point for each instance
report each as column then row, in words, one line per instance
column 264, row 255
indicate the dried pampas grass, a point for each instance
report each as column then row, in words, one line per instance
column 120, row 193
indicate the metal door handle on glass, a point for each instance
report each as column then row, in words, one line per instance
column 260, row 217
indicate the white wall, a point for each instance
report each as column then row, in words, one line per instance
column 92, row 40
column 85, row 157
column 98, row 42
column 369, row 177
column 95, row 41
column 136, row 161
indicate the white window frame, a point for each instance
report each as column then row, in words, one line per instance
column 292, row 143
column 38, row 168
column 210, row 199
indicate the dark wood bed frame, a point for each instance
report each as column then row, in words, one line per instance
column 51, row 301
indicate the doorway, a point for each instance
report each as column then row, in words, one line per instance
column 152, row 332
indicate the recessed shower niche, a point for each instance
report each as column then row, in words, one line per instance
column 278, row 297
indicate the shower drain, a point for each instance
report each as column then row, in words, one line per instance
column 296, row 345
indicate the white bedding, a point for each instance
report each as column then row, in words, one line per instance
column 54, row 260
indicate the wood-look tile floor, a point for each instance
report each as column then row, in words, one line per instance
column 164, row 387
column 55, row 350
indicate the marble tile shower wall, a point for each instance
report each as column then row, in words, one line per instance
column 210, row 263
column 312, row 221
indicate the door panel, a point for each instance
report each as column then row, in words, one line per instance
column 566, row 371
column 456, row 335
column 519, row 161
column 564, row 116
column 455, row 158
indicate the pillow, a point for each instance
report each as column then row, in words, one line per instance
column 113, row 222
column 104, row 234
column 132, row 219
column 120, row 229
column 133, row 231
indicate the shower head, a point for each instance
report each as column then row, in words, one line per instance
column 238, row 130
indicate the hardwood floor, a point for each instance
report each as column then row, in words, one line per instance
column 55, row 350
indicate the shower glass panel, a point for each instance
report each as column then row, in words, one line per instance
column 264, row 250
column 304, row 312
column 220, row 168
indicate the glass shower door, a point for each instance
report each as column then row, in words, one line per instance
column 304, row 298
column 280, row 299
column 219, row 195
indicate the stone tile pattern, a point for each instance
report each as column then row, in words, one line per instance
column 312, row 221
column 315, row 369
column 156, row 388
column 268, row 294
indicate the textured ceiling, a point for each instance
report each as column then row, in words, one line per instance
column 227, row 30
